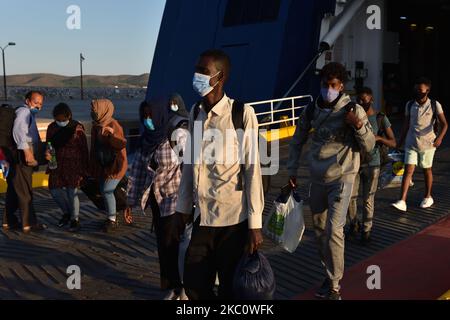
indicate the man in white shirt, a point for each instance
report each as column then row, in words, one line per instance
column 422, row 140
column 228, row 195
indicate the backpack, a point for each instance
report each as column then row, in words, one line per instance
column 7, row 118
column 104, row 153
column 384, row 150
column 366, row 158
column 237, row 115
column 178, row 122
column 433, row 108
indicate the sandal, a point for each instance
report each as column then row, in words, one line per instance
column 128, row 216
column 9, row 227
column 36, row 227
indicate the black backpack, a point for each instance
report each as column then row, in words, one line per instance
column 105, row 155
column 237, row 114
column 7, row 143
column 7, row 117
column 178, row 122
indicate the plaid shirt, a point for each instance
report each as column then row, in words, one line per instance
column 165, row 180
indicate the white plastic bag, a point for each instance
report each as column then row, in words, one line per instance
column 286, row 223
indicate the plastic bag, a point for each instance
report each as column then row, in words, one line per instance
column 254, row 278
column 396, row 156
column 392, row 176
column 286, row 223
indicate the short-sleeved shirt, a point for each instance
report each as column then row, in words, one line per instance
column 375, row 154
column 421, row 135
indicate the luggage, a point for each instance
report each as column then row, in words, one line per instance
column 91, row 189
column 254, row 278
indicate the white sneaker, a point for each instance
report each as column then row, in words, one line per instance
column 426, row 203
column 400, row 205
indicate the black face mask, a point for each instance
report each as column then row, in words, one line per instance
column 366, row 106
column 420, row 95
column 94, row 116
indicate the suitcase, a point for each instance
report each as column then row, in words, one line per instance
column 91, row 189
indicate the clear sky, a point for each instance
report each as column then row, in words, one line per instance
column 116, row 36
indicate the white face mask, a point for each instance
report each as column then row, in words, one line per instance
column 62, row 124
column 329, row 95
column 201, row 83
column 174, row 107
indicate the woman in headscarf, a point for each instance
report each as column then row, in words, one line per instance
column 68, row 138
column 154, row 181
column 108, row 159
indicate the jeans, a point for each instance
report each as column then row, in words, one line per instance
column 368, row 178
column 67, row 199
column 329, row 205
column 107, row 188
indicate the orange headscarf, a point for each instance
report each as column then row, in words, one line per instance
column 104, row 110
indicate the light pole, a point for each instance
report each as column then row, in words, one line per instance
column 4, row 68
column 81, row 75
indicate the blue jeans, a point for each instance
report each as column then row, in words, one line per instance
column 67, row 200
column 107, row 188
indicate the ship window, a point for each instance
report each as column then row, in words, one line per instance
column 242, row 12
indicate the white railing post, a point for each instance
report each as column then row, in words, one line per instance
column 272, row 111
column 293, row 112
column 272, row 119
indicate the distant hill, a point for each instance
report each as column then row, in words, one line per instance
column 90, row 81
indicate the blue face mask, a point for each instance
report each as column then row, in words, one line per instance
column 201, row 84
column 62, row 124
column 34, row 111
column 148, row 123
column 174, row 107
column 329, row 95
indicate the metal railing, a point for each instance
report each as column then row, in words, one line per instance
column 288, row 113
column 273, row 116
